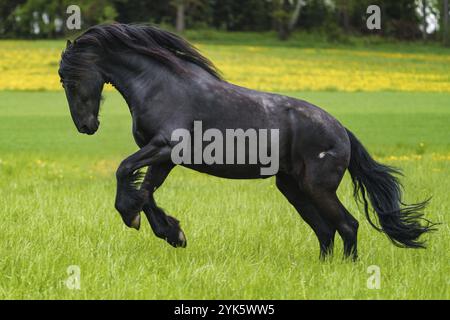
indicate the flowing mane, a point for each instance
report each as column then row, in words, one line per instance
column 163, row 46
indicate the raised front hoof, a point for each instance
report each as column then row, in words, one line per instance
column 177, row 240
column 129, row 208
column 136, row 222
column 133, row 221
column 175, row 237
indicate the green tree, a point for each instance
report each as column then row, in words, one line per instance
column 46, row 19
column 286, row 14
column 191, row 13
column 233, row 15
column 399, row 18
column 445, row 21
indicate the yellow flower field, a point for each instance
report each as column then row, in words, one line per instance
column 33, row 65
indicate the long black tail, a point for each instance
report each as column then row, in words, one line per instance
column 403, row 224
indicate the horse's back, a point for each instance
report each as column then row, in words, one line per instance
column 307, row 128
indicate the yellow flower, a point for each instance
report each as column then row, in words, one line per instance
column 27, row 65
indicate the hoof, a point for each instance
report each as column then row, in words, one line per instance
column 178, row 241
column 136, row 222
column 182, row 239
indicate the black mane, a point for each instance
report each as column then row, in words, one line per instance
column 161, row 45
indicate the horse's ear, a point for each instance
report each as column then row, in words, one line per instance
column 68, row 43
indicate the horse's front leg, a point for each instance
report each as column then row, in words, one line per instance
column 163, row 225
column 129, row 198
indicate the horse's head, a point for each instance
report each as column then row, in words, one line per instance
column 83, row 84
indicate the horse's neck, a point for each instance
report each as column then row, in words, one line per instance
column 134, row 79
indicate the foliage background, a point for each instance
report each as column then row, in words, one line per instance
column 402, row 19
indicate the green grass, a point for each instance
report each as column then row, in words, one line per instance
column 244, row 240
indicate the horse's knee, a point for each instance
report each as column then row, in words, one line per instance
column 122, row 171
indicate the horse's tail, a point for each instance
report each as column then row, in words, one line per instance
column 400, row 222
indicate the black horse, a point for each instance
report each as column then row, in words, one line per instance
column 168, row 85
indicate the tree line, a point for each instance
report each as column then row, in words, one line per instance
column 402, row 19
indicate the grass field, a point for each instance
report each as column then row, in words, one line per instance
column 244, row 239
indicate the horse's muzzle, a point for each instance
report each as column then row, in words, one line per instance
column 89, row 129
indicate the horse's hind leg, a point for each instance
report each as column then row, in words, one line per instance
column 347, row 226
column 302, row 203
column 163, row 225
column 321, row 181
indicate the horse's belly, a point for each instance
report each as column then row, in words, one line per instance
column 232, row 171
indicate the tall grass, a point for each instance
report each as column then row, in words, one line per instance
column 244, row 240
